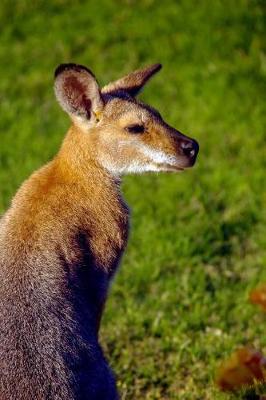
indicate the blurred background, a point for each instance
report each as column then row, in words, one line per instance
column 198, row 240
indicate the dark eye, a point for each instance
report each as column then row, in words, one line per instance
column 135, row 128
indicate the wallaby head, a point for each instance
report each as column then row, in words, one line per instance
column 117, row 131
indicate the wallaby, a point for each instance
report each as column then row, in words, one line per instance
column 65, row 232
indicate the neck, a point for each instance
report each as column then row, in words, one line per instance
column 105, row 222
column 97, row 198
column 77, row 160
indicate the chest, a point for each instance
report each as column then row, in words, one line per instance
column 106, row 234
column 95, row 251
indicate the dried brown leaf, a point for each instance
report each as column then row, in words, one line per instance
column 242, row 368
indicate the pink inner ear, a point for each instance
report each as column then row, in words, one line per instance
column 75, row 92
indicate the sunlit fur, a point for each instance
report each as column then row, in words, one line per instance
column 157, row 149
column 63, row 237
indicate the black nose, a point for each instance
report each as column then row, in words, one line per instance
column 190, row 148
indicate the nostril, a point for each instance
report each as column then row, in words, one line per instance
column 189, row 148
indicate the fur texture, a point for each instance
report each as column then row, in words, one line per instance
column 63, row 237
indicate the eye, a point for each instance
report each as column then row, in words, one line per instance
column 135, row 128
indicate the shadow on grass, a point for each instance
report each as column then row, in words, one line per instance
column 257, row 392
column 220, row 240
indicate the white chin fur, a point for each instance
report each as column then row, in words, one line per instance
column 137, row 168
column 156, row 156
column 151, row 162
column 133, row 168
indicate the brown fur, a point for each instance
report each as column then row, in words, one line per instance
column 64, row 234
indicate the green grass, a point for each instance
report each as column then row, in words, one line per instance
column 198, row 240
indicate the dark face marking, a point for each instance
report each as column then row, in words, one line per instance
column 155, row 113
column 135, row 128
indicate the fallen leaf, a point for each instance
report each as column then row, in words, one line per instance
column 258, row 296
column 242, row 368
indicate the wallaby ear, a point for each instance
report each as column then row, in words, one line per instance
column 77, row 91
column 133, row 83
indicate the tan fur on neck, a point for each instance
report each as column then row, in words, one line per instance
column 77, row 193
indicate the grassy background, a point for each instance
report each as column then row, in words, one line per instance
column 198, row 239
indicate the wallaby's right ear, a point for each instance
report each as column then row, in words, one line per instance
column 77, row 92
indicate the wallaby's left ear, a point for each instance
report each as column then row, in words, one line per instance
column 77, row 92
column 134, row 82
